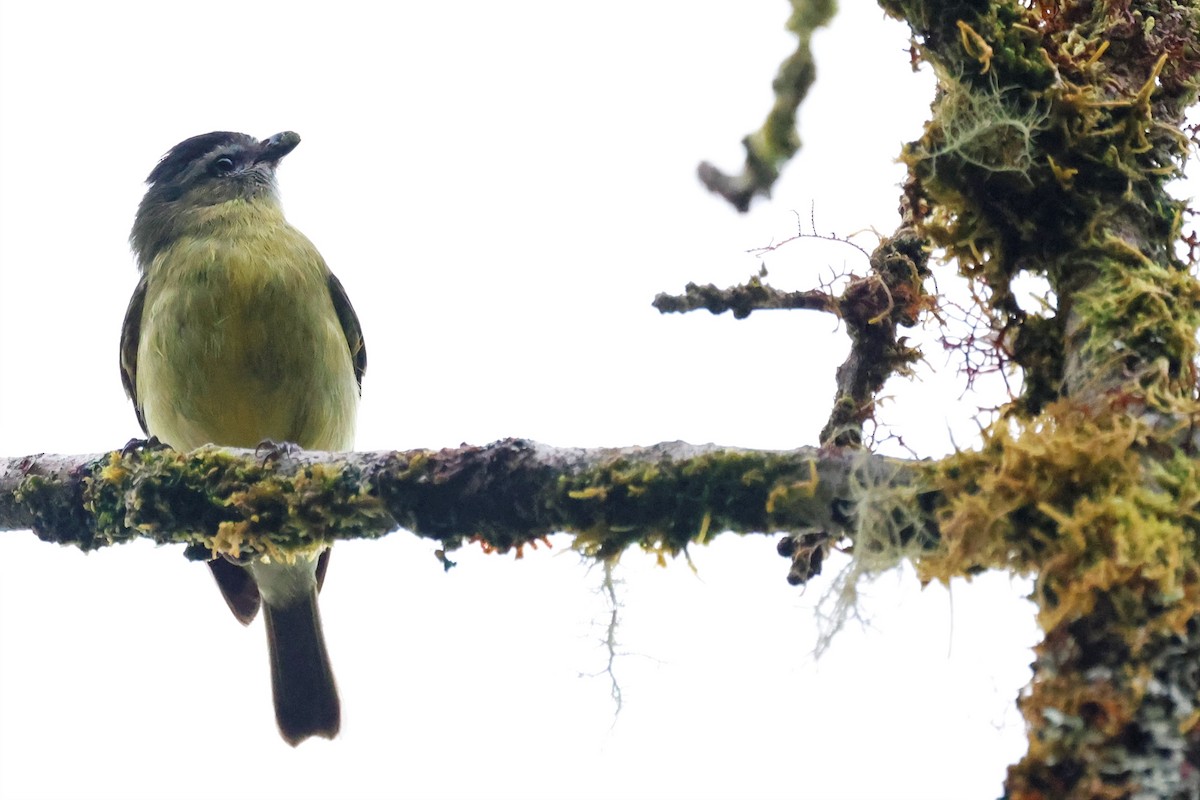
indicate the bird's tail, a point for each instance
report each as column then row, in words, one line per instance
column 306, row 699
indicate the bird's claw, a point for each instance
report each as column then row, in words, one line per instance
column 143, row 445
column 241, row 561
column 269, row 450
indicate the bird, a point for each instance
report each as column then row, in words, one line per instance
column 236, row 335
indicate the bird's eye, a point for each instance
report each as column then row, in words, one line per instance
column 223, row 165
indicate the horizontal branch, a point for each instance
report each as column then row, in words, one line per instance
column 754, row 295
column 505, row 495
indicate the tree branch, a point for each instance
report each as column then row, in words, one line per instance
column 505, row 495
column 754, row 295
column 873, row 307
column 772, row 145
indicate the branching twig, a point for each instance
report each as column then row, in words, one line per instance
column 873, row 307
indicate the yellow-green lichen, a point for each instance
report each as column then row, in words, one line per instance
column 1142, row 317
column 662, row 507
column 1068, row 496
column 888, row 524
column 221, row 502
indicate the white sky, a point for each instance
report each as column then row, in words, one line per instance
column 502, row 188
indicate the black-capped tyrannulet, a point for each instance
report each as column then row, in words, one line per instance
column 239, row 333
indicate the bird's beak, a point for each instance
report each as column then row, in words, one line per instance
column 276, row 147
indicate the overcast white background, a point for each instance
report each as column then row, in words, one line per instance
column 502, row 188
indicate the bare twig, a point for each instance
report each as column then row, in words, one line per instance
column 754, row 295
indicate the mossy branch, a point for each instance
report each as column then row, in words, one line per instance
column 744, row 299
column 773, row 145
column 505, row 495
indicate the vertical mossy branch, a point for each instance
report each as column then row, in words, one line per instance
column 874, row 309
column 1048, row 153
column 1056, row 128
column 772, row 145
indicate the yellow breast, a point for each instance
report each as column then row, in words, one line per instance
column 240, row 341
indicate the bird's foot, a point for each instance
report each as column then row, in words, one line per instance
column 143, row 445
column 240, row 560
column 269, row 450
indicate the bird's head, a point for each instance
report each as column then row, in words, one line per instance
column 201, row 172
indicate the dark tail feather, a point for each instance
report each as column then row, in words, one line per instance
column 306, row 700
column 238, row 588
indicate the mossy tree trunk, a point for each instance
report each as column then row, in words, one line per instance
column 1056, row 129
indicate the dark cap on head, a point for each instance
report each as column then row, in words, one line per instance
column 176, row 161
column 187, row 151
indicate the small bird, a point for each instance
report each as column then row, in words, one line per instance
column 238, row 333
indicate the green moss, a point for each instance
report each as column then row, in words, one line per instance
column 1142, row 314
column 663, row 507
column 61, row 522
column 1059, row 181
column 218, row 502
column 772, row 145
column 1068, row 496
